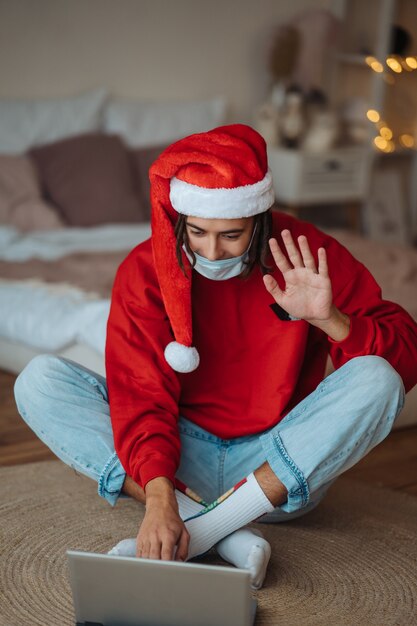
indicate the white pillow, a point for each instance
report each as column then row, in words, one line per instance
column 145, row 124
column 50, row 316
column 26, row 123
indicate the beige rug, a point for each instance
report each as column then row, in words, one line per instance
column 351, row 561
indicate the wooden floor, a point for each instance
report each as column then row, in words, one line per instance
column 392, row 464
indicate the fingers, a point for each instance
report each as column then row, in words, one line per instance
column 165, row 547
column 308, row 258
column 182, row 546
column 141, row 548
column 169, row 541
column 155, row 550
column 323, row 267
column 292, row 250
column 299, row 257
column 272, row 286
column 280, row 259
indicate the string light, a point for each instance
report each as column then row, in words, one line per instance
column 377, row 67
column 394, row 65
column 383, row 145
column 386, row 133
column 411, row 63
column 407, row 141
column 373, row 116
column 407, row 64
column 374, row 64
column 384, row 141
column 380, row 143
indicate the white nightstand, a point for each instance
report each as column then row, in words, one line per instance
column 339, row 176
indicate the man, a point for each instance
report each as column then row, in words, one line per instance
column 217, row 341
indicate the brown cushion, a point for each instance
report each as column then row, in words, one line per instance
column 142, row 159
column 89, row 179
column 21, row 204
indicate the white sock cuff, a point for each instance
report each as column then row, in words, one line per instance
column 260, row 494
column 187, row 506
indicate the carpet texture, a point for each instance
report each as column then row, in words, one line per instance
column 351, row 561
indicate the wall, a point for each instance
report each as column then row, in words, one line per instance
column 143, row 49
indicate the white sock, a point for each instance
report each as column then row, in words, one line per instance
column 246, row 548
column 242, row 504
column 188, row 507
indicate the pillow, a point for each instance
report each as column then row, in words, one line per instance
column 144, row 124
column 89, row 179
column 25, row 123
column 21, row 205
column 142, row 159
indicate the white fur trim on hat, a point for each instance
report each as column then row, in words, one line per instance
column 236, row 202
column 181, row 358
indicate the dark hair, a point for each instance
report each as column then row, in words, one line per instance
column 258, row 251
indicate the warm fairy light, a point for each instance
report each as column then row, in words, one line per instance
column 377, row 66
column 411, row 62
column 407, row 141
column 372, row 115
column 394, row 65
column 386, row 133
column 384, row 141
column 381, row 143
column 384, row 145
column 374, row 64
column 405, row 65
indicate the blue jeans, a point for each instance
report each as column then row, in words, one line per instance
column 349, row 413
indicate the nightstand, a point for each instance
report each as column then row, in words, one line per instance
column 338, row 176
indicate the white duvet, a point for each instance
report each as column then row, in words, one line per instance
column 54, row 244
column 52, row 316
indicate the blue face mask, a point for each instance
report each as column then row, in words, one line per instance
column 221, row 269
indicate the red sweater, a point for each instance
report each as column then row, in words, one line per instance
column 254, row 367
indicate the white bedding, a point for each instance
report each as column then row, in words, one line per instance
column 54, row 244
column 51, row 316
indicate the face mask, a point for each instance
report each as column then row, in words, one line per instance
column 221, row 269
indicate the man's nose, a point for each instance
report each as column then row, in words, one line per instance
column 212, row 252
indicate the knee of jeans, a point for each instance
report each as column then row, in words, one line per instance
column 381, row 378
column 32, row 379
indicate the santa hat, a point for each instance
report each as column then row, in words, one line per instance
column 222, row 173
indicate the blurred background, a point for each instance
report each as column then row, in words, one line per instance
column 331, row 84
column 91, row 91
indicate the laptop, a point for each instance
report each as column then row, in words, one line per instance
column 113, row 590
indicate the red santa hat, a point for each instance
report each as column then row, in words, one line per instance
column 222, row 173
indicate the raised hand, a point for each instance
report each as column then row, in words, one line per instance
column 308, row 291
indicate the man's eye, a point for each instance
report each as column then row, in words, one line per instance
column 196, row 232
column 232, row 237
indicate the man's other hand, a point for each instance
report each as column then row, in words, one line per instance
column 162, row 534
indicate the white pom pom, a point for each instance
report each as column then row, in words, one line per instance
column 181, row 358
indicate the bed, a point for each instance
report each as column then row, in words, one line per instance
column 74, row 195
column 55, row 289
column 74, row 202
